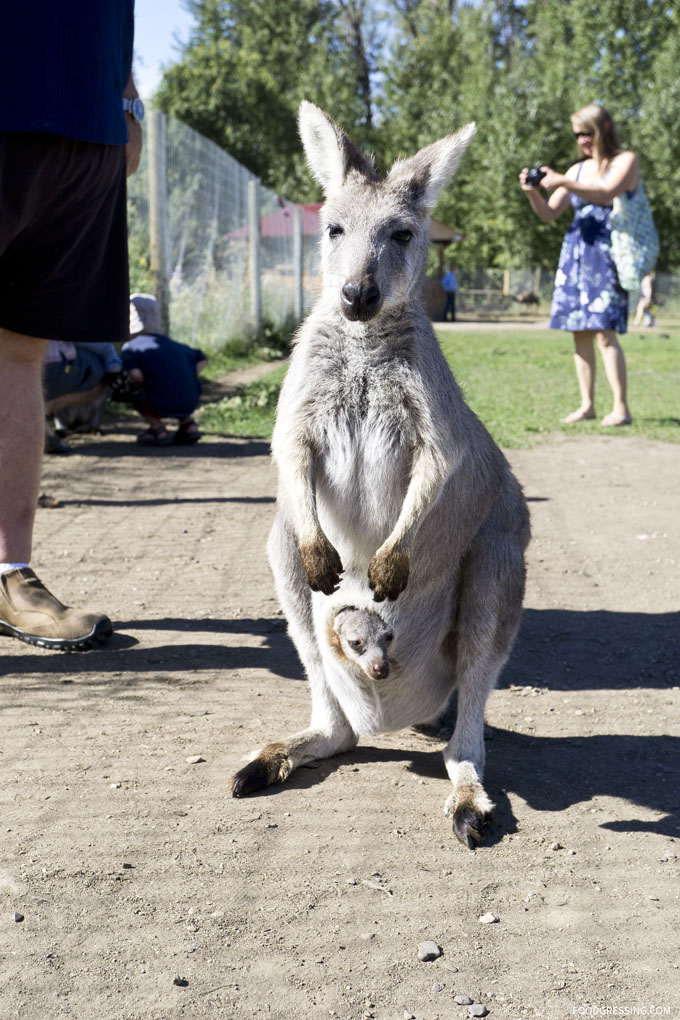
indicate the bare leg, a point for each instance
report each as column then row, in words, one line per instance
column 153, row 420
column 615, row 368
column 640, row 311
column 329, row 732
column 584, row 361
column 22, row 436
column 73, row 399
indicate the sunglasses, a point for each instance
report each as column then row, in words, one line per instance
column 583, row 134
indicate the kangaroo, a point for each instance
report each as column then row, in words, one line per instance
column 362, row 637
column 389, row 485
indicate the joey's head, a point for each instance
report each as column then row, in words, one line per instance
column 363, row 637
column 375, row 231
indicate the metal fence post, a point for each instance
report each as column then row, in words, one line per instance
column 254, row 252
column 158, row 213
column 297, row 262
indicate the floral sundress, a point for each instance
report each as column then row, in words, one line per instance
column 587, row 292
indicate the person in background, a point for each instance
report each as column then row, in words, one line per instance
column 645, row 308
column 450, row 285
column 588, row 299
column 69, row 132
column 166, row 373
column 74, row 375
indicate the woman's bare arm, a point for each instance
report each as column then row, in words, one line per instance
column 548, row 209
column 621, row 176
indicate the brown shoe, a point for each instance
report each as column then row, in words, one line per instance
column 30, row 613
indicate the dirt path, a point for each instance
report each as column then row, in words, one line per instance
column 132, row 866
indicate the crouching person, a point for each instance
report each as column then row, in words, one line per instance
column 77, row 379
column 165, row 373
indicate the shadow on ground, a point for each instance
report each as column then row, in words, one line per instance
column 561, row 650
column 549, row 773
column 216, row 446
column 566, row 650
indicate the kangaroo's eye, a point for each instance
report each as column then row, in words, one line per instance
column 388, row 637
column 356, row 643
column 402, row 236
column 335, row 231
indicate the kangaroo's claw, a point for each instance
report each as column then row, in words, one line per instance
column 388, row 574
column 470, row 810
column 322, row 566
column 272, row 765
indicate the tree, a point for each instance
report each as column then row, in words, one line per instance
column 397, row 74
column 248, row 64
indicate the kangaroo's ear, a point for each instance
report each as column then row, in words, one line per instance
column 426, row 173
column 330, row 153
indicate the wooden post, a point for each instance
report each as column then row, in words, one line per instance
column 537, row 283
column 159, row 246
column 254, row 252
column 297, row 261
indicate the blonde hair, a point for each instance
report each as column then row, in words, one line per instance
column 598, row 122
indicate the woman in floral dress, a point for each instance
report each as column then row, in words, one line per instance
column 588, row 299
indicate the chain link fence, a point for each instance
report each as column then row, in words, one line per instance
column 493, row 293
column 223, row 255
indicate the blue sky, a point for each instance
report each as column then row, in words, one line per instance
column 157, row 22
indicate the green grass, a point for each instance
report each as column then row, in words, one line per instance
column 270, row 343
column 250, row 412
column 520, row 385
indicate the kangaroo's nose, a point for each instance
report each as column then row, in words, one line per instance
column 380, row 670
column 361, row 300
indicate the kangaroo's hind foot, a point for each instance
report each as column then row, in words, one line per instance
column 270, row 765
column 470, row 810
column 275, row 762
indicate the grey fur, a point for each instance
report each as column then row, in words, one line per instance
column 390, row 488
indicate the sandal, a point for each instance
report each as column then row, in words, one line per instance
column 616, row 420
column 155, row 437
column 187, row 434
column 575, row 416
column 53, row 444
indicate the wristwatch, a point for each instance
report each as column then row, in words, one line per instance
column 135, row 107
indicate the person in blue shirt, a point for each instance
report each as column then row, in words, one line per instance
column 69, row 132
column 450, row 285
column 166, row 373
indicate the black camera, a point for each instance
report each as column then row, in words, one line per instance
column 535, row 176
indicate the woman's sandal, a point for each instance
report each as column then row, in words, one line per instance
column 575, row 416
column 187, row 434
column 616, row 420
column 155, row 437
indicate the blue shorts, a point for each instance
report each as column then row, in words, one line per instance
column 83, row 373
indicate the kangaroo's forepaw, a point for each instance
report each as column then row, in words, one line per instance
column 470, row 810
column 388, row 574
column 322, row 566
column 272, row 765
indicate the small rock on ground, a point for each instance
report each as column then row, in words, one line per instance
column 428, row 951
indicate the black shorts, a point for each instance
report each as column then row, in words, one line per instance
column 63, row 238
